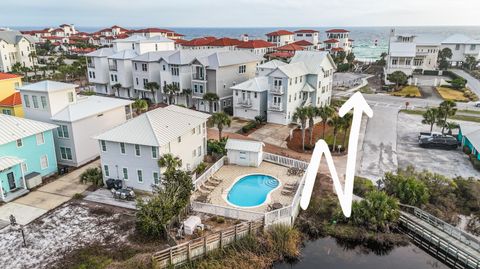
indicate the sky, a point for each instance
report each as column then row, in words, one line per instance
column 239, row 13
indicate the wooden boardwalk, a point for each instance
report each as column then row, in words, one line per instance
column 444, row 241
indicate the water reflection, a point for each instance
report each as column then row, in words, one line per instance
column 342, row 254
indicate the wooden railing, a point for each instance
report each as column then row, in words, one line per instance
column 210, row 171
column 200, row 247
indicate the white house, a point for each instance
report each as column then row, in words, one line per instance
column 98, row 70
column 16, row 47
column 280, row 37
column 120, row 73
column 78, row 117
column 343, row 38
column 244, row 152
column 461, row 47
column 258, row 46
column 312, row 36
column 133, row 155
column 306, row 80
column 250, row 98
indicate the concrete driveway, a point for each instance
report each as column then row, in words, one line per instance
column 51, row 195
column 271, row 133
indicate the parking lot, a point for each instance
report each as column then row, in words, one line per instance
column 450, row 163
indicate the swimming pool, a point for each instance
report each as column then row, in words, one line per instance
column 252, row 190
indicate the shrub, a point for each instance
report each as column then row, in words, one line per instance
column 220, row 219
column 216, row 147
column 362, row 186
column 343, row 67
column 458, row 83
column 406, row 188
column 475, row 161
column 228, row 110
column 200, row 168
column 92, row 175
column 260, row 119
column 467, row 150
column 78, row 196
column 284, row 241
column 430, row 72
column 249, row 126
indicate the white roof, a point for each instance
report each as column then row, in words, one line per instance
column 124, row 55
column 474, row 138
column 103, row 52
column 87, row 106
column 460, row 39
column 47, row 86
column 272, row 64
column 313, row 60
column 156, row 127
column 143, row 39
column 402, row 49
column 257, row 84
column 294, row 69
column 14, row 128
column 7, row 162
column 153, row 56
column 226, row 58
column 428, row 40
column 244, row 145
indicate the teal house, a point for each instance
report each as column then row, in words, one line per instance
column 470, row 136
column 27, row 154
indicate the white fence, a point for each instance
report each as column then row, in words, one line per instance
column 285, row 161
column 228, row 212
column 207, row 174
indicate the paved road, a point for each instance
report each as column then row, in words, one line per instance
column 472, row 83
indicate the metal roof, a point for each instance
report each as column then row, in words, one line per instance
column 7, row 162
column 13, row 37
column 157, row 127
column 103, row 52
column 403, row 49
column 14, row 128
column 124, row 55
column 257, row 84
column 460, row 39
column 244, row 145
column 47, row 86
column 272, row 64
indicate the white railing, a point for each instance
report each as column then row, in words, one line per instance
column 210, row 171
column 276, row 89
column 245, row 102
column 275, row 106
column 228, row 212
column 285, row 161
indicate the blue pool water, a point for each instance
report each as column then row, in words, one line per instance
column 251, row 190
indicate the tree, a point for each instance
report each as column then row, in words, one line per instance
column 337, row 123
column 312, row 112
column 301, row 114
column 170, row 163
column 443, row 56
column 382, row 61
column 117, row 88
column 187, row 93
column 406, row 188
column 171, row 90
column 210, row 97
column 325, row 113
column 340, row 57
column 153, row 88
column 221, row 119
column 457, row 83
column 430, row 117
column 140, row 106
column 451, row 126
column 92, row 175
column 470, row 62
column 350, row 57
column 447, row 109
column 346, row 124
column 398, row 77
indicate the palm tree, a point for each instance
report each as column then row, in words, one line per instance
column 187, row 93
column 220, row 119
column 152, row 87
column 325, row 113
column 117, row 88
column 92, row 175
column 346, row 124
column 451, row 126
column 430, row 117
column 301, row 114
column 447, row 108
column 169, row 162
column 171, row 90
column 337, row 123
column 140, row 106
column 311, row 114
column 210, row 97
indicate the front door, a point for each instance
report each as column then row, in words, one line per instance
column 11, row 181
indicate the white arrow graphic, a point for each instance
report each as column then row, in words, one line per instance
column 359, row 106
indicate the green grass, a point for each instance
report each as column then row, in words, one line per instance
column 469, row 111
column 366, row 89
column 408, row 91
column 456, row 117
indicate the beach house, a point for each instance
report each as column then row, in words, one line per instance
column 10, row 103
column 16, row 47
column 461, row 47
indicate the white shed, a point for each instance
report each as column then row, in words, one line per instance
column 191, row 224
column 244, row 152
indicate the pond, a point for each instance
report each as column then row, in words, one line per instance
column 327, row 253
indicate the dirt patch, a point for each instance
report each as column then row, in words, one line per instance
column 296, row 142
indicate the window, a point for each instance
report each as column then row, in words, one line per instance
column 104, row 145
column 70, row 97
column 145, row 82
column 62, row 131
column 125, row 173
column 135, row 66
column 44, row 162
column 65, row 153
column 199, row 151
column 43, row 100
column 242, row 69
column 179, row 139
column 35, row 101
column 242, row 155
column 7, row 112
column 40, row 139
column 457, row 47
column 473, row 47
column 136, row 80
column 140, row 176
column 105, row 170
column 24, row 167
column 194, row 153
column 394, row 61
column 164, row 67
column 193, row 131
column 155, row 178
column 26, row 100
column 122, row 148
column 144, row 67
column 19, row 143
column 175, row 70
column 255, row 95
column 137, row 150
column 154, row 153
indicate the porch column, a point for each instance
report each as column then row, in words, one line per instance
column 23, row 176
column 1, row 190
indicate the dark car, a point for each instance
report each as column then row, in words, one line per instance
column 441, row 142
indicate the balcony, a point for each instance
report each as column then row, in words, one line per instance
column 275, row 106
column 91, row 65
column 112, row 67
column 245, row 103
column 197, row 76
column 277, row 90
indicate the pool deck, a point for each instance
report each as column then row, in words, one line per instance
column 229, row 174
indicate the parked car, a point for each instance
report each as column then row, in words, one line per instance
column 477, row 104
column 428, row 134
column 441, row 142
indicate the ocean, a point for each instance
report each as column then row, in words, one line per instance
column 369, row 42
